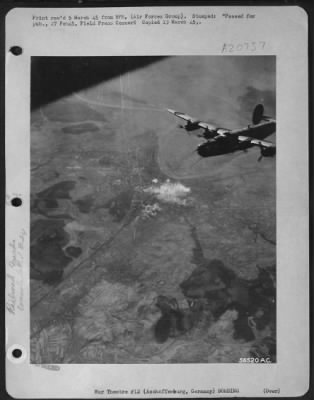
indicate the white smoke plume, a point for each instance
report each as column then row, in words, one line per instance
column 169, row 192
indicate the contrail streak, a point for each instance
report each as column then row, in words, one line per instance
column 122, row 106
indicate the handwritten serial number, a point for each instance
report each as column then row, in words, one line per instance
column 243, row 47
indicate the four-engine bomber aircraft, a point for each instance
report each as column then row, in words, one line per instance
column 221, row 141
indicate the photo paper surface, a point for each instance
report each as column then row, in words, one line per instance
column 161, row 247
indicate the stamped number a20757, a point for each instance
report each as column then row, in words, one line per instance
column 243, row 47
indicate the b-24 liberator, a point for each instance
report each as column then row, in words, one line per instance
column 222, row 141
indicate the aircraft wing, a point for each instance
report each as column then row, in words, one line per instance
column 184, row 116
column 196, row 123
column 207, row 126
column 256, row 142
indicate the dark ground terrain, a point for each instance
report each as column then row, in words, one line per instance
column 141, row 252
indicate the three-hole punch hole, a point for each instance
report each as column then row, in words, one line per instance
column 16, row 50
column 17, row 353
column 16, row 202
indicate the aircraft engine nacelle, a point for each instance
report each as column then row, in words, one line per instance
column 268, row 151
column 208, row 134
column 189, row 126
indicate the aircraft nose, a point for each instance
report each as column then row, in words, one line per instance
column 202, row 150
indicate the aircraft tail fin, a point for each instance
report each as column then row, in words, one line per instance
column 258, row 115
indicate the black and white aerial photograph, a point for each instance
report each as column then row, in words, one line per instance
column 153, row 209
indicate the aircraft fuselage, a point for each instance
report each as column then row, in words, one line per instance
column 230, row 143
column 260, row 131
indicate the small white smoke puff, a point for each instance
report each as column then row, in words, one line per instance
column 150, row 210
column 170, row 192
